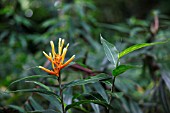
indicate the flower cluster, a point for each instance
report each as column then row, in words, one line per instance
column 57, row 59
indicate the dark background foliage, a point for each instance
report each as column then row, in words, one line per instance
column 27, row 26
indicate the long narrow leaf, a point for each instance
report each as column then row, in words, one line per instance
column 32, row 77
column 96, row 108
column 40, row 84
column 35, row 90
column 102, row 92
column 116, row 95
column 88, row 101
column 134, row 107
column 90, row 96
column 53, row 101
column 20, row 109
column 163, row 98
column 43, row 111
column 87, row 81
column 35, row 104
column 137, row 46
column 166, row 78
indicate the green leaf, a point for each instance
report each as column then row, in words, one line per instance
column 126, row 84
column 40, row 84
column 121, row 69
column 43, row 111
column 137, row 46
column 96, row 108
column 35, row 90
column 134, row 107
column 110, row 51
column 116, row 95
column 80, row 108
column 102, row 92
column 87, row 81
column 3, row 35
column 91, row 41
column 49, row 22
column 49, row 111
column 86, row 102
column 20, row 109
column 27, row 107
column 53, row 101
column 31, row 77
column 166, row 78
column 164, row 98
column 35, row 105
column 119, row 28
column 90, row 96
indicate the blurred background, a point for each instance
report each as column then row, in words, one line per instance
column 27, row 27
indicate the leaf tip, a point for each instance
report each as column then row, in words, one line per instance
column 101, row 38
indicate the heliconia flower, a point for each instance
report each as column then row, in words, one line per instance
column 57, row 59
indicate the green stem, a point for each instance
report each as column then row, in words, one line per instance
column 113, row 84
column 112, row 89
column 61, row 93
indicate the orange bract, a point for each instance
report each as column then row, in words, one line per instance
column 57, row 60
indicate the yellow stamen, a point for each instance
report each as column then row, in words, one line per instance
column 67, row 45
column 59, row 43
column 52, row 48
column 61, row 47
column 68, row 62
column 47, row 70
column 48, row 57
column 64, row 53
column 52, row 60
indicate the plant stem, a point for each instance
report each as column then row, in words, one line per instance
column 112, row 89
column 113, row 84
column 61, row 93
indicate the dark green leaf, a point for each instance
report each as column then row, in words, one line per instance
column 102, row 92
column 110, row 51
column 163, row 98
column 35, row 105
column 49, row 22
column 87, row 81
column 86, row 102
column 91, row 41
column 53, row 101
column 90, row 96
column 134, row 107
column 119, row 28
column 137, row 46
column 81, row 108
column 116, row 95
column 31, row 77
column 3, row 35
column 40, row 84
column 121, row 69
column 49, row 111
column 43, row 111
column 35, row 90
column 166, row 78
column 27, row 107
column 20, row 109
column 23, row 41
column 125, row 84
